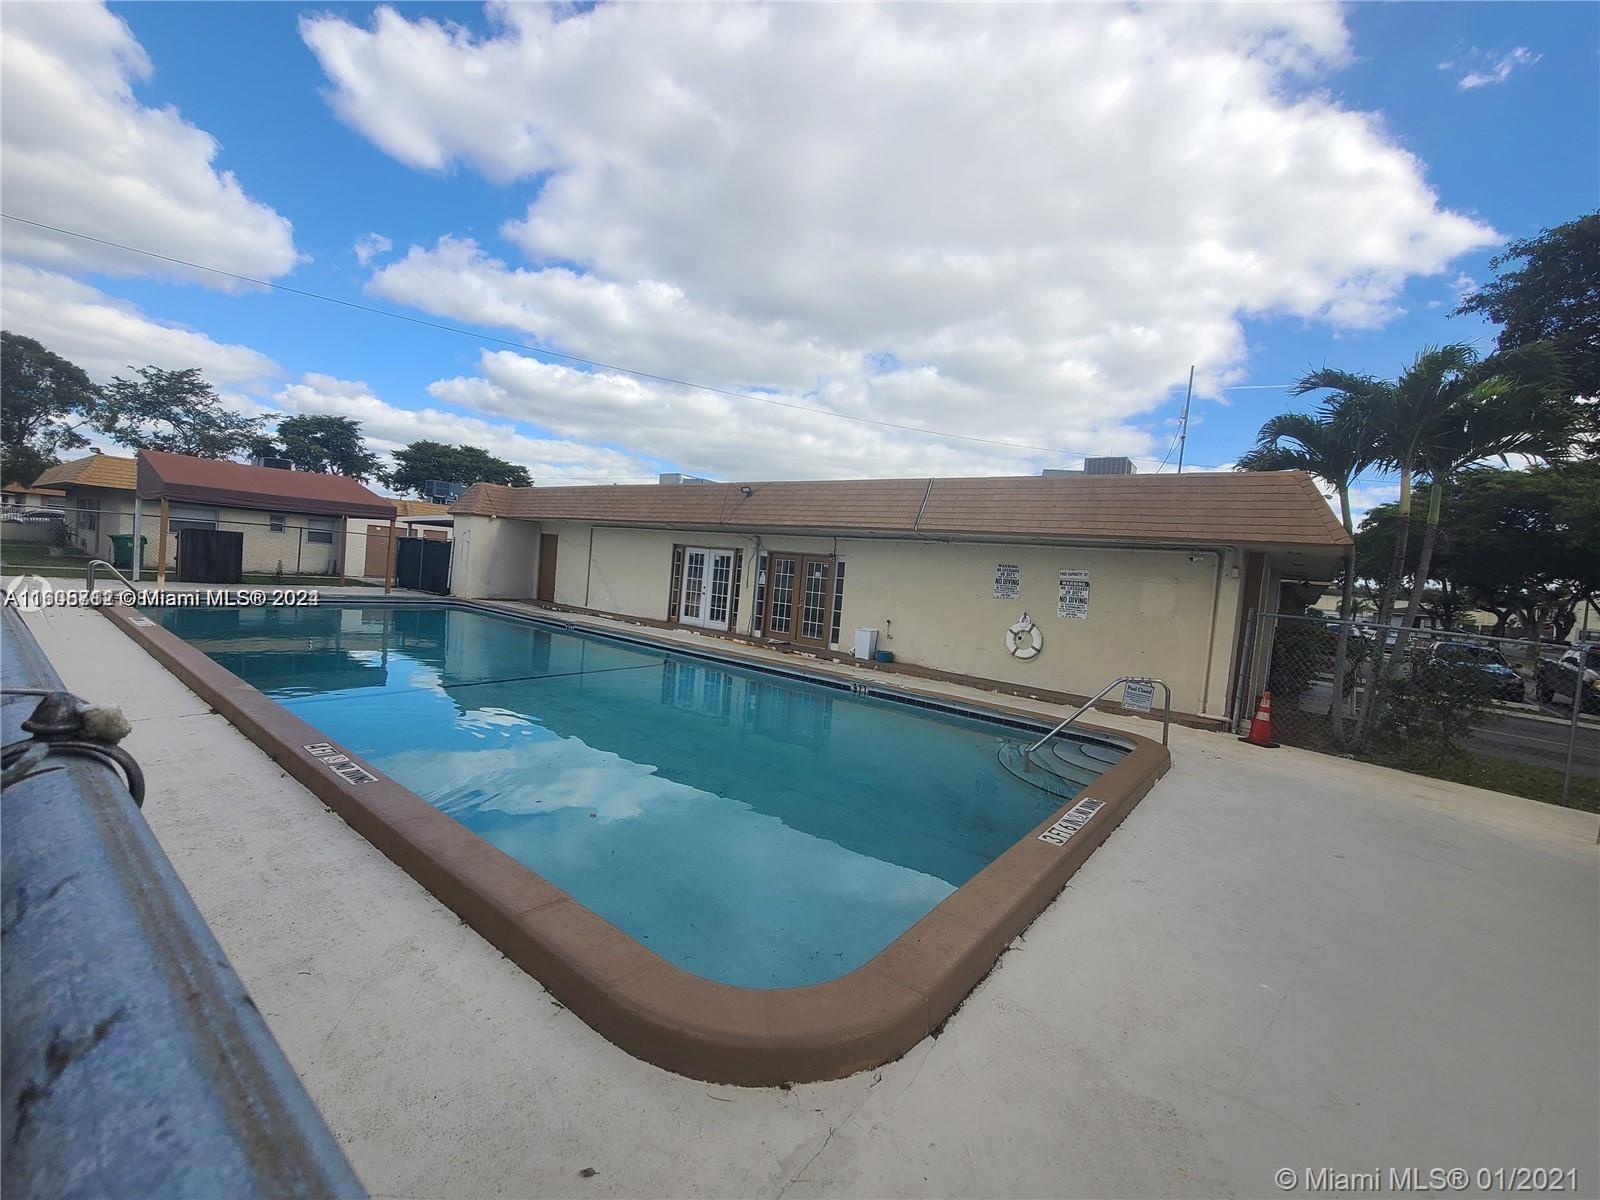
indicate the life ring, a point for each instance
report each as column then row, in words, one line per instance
column 1023, row 640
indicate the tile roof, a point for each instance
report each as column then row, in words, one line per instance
column 93, row 470
column 214, row 481
column 419, row 508
column 18, row 489
column 1264, row 508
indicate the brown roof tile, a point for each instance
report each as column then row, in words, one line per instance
column 234, row 485
column 93, row 470
column 1271, row 507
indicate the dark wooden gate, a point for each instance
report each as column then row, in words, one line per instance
column 423, row 565
column 210, row 555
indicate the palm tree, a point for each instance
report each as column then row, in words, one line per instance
column 1334, row 445
column 1515, row 403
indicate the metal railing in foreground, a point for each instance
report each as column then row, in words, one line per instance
column 100, row 564
column 1119, row 681
column 132, row 1060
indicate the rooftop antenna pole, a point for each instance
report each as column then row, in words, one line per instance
column 1183, row 422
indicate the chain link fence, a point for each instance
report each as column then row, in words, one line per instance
column 278, row 549
column 1423, row 698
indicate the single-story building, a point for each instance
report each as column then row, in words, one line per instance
column 1060, row 583
column 294, row 522
column 18, row 496
column 98, row 498
column 367, row 546
column 33, row 515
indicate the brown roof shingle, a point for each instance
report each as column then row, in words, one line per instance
column 234, row 485
column 93, row 470
column 1267, row 508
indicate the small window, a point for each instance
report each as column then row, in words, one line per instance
column 276, row 521
column 319, row 529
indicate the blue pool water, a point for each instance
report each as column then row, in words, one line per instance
column 751, row 829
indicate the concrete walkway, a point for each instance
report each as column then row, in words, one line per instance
column 1280, row 960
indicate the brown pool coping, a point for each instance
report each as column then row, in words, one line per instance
column 626, row 992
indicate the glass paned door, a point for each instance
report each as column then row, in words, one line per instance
column 815, row 591
column 707, row 588
column 721, row 585
column 691, row 607
column 780, row 594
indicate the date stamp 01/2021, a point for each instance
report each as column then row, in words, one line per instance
column 1331, row 1181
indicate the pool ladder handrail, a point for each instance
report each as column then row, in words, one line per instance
column 94, row 563
column 1120, row 680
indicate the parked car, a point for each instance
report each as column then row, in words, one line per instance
column 1555, row 678
column 1486, row 665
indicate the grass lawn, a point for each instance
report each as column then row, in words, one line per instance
column 1505, row 775
column 298, row 581
column 30, row 558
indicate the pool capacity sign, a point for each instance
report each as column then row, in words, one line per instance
column 1072, row 598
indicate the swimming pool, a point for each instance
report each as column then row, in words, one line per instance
column 753, row 829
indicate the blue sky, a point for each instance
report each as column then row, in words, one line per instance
column 799, row 202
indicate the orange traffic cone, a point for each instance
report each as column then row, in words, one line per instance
column 1261, row 727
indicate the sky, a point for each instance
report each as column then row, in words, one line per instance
column 1018, row 226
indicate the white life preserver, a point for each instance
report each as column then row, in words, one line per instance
column 1023, row 640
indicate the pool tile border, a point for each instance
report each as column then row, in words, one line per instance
column 629, row 994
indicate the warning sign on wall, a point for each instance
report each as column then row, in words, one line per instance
column 1072, row 602
column 1007, row 581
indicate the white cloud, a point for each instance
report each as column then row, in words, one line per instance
column 106, row 336
column 82, row 153
column 387, row 428
column 729, row 438
column 371, row 246
column 1487, row 68
column 1021, row 222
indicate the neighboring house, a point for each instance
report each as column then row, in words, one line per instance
column 1118, row 574
column 368, row 544
column 32, row 515
column 294, row 522
column 15, row 496
column 98, row 499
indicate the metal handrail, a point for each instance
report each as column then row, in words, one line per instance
column 88, row 575
column 1166, row 708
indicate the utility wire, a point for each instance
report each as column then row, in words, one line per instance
column 573, row 358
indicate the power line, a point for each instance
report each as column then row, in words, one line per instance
column 571, row 358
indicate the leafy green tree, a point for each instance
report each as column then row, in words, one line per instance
column 45, row 402
column 1335, row 445
column 1518, row 544
column 324, row 445
column 1548, row 290
column 1407, row 416
column 173, row 410
column 424, row 460
column 1514, row 403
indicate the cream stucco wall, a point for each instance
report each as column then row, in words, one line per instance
column 494, row 558
column 1151, row 612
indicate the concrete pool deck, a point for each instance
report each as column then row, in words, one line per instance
column 1280, row 960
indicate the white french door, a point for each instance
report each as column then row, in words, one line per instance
column 707, row 588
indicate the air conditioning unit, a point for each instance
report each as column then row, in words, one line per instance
column 281, row 464
column 443, row 491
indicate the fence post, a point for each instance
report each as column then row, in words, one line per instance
column 1239, row 683
column 161, row 559
column 388, row 566
column 1577, row 707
